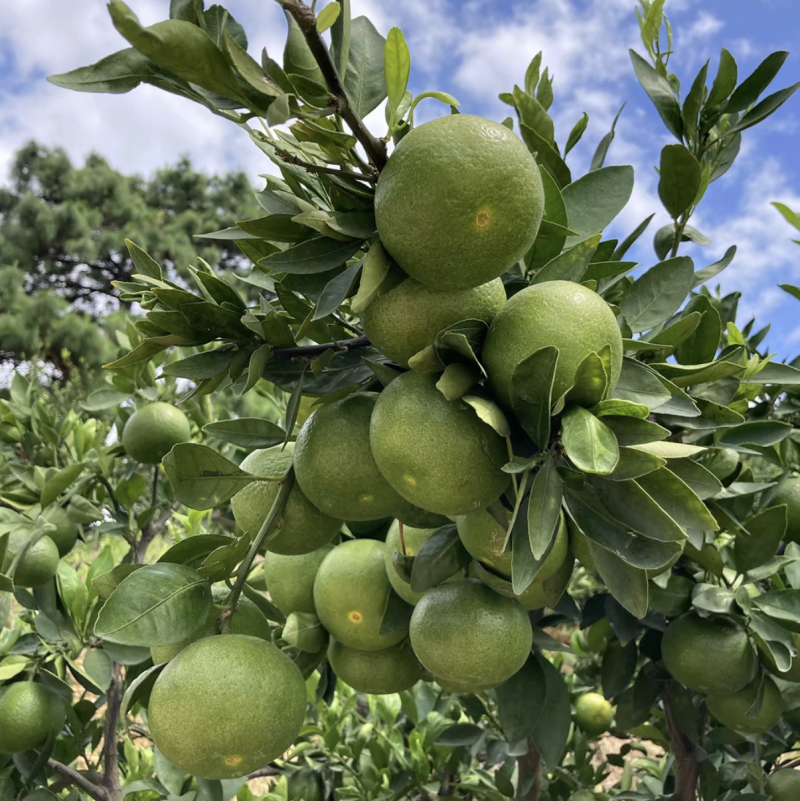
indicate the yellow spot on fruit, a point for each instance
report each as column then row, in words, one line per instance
column 355, row 617
column 410, row 480
column 367, row 498
column 483, row 218
column 233, row 761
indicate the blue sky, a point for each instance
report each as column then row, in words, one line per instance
column 473, row 49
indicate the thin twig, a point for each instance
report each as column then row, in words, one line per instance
column 88, row 787
column 289, row 354
column 268, row 771
column 309, row 167
column 307, row 22
column 110, row 752
column 150, row 530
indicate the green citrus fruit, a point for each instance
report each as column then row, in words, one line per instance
column 390, row 670
column 301, row 529
column 561, row 314
column 593, row 713
column 26, row 716
column 66, row 534
column 464, row 632
column 720, row 461
column 304, row 631
column 151, row 432
column 483, row 538
column 334, row 463
column 784, row 785
column 419, row 518
column 539, row 593
column 406, row 319
column 39, row 563
column 436, row 453
column 414, row 539
column 459, row 201
column 731, row 709
column 789, row 493
column 290, row 579
column 793, row 674
column 709, row 655
column 247, row 619
column 351, row 591
column 598, row 635
column 226, row 706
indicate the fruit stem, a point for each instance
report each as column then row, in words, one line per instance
column 244, row 568
column 402, row 537
column 307, row 22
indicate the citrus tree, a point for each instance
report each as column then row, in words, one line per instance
column 479, row 393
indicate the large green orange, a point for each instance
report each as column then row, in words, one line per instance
column 789, row 493
column 351, row 591
column 290, row 579
column 390, row 670
column 436, row 453
column 226, row 706
column 407, row 319
column 709, row 655
column 302, row 528
column 593, row 713
column 467, row 635
column 731, row 710
column 459, row 201
column 414, row 539
column 784, row 785
column 483, row 537
column 247, row 619
column 38, row 564
column 26, row 715
column 151, row 432
column 334, row 463
column 66, row 534
column 557, row 314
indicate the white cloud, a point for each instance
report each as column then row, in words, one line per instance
column 704, row 26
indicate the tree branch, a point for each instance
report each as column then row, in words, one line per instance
column 686, row 765
column 110, row 752
column 88, row 787
column 149, row 531
column 289, row 354
column 309, row 167
column 268, row 771
column 307, row 22
column 530, row 773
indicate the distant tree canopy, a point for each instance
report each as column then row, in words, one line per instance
column 62, row 233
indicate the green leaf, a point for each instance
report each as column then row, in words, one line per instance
column 520, row 700
column 275, row 228
column 759, row 542
column 701, row 481
column 546, row 156
column 375, row 270
column 627, row 584
column 102, row 399
column 336, row 290
column 98, row 665
column 725, row 80
column 531, row 390
column 620, row 408
column 576, row 133
column 396, row 615
column 328, row 16
column 440, row 557
column 569, row 265
column 456, row 379
column 205, row 364
column 600, row 153
column 592, row 379
column 707, row 273
column 658, row 294
column 759, row 432
column 594, row 200
column 247, row 432
column 396, row 68
column 255, row 368
column 678, row 500
column 532, row 114
column 201, row 478
column 634, row 464
column 316, row 255
column 143, row 263
column 544, row 508
column 589, row 443
column 679, row 179
column 115, row 74
column 180, row 47
column 551, row 729
column 769, row 105
column 694, row 102
column 750, row 89
column 364, row 78
column 61, row 481
column 490, row 413
column 634, row 431
column 629, row 241
column 156, row 605
column 618, row 667
column 660, row 92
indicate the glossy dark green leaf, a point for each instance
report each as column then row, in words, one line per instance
column 546, row 156
column 533, row 115
column 769, row 105
column 678, row 500
column 105, row 583
column 701, row 345
column 750, row 89
column 531, row 393
column 634, row 704
column 634, row 431
column 618, row 667
column 725, row 80
column 551, row 729
column 630, row 240
column 460, row 734
column 336, row 290
column 679, row 179
column 247, row 432
column 544, row 508
column 620, row 408
column 633, row 464
column 626, row 583
column 193, row 550
column 600, row 153
column 658, row 293
column 156, row 605
column 758, row 432
column 595, row 199
column 707, row 273
column 759, row 543
column 115, row 74
column 396, row 615
column 576, row 133
column 198, row 366
column 569, row 265
column 376, row 266
column 59, row 482
column 520, row 700
column 589, row 443
column 317, row 255
column 660, row 92
column 694, row 102
column 440, row 557
column 592, row 379
column 701, row 481
column 364, row 80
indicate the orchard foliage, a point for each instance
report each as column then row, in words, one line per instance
column 675, row 478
